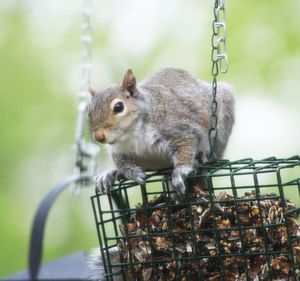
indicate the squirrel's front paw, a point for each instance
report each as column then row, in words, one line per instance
column 105, row 181
column 179, row 178
column 136, row 174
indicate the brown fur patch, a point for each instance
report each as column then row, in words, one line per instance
column 203, row 121
column 185, row 150
column 110, row 121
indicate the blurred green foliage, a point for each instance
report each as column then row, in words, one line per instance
column 27, row 105
column 38, row 101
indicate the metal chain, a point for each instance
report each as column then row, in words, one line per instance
column 86, row 40
column 219, row 63
column 85, row 149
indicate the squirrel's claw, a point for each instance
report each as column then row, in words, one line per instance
column 136, row 174
column 105, row 181
column 140, row 180
column 178, row 183
column 179, row 178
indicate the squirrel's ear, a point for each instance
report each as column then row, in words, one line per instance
column 92, row 91
column 129, row 83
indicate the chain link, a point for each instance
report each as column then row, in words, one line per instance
column 219, row 64
column 85, row 149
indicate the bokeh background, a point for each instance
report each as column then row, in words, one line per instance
column 40, row 79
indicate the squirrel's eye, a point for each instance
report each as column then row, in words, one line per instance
column 119, row 107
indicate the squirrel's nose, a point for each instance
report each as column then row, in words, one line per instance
column 100, row 136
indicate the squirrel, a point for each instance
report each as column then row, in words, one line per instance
column 161, row 122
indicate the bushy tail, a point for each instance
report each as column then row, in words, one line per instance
column 95, row 264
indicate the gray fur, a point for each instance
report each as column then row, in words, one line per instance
column 95, row 264
column 106, row 180
column 166, row 124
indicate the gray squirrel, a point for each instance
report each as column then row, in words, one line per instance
column 161, row 122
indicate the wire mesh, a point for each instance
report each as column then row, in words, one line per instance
column 238, row 221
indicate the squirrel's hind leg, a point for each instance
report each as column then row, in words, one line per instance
column 184, row 158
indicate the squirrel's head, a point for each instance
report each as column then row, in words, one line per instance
column 113, row 111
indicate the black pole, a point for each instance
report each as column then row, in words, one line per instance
column 39, row 222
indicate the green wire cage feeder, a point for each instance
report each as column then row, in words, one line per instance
column 236, row 223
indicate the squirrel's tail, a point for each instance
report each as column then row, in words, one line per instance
column 95, row 264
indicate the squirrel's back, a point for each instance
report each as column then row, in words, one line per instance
column 179, row 104
column 170, row 77
column 174, row 79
